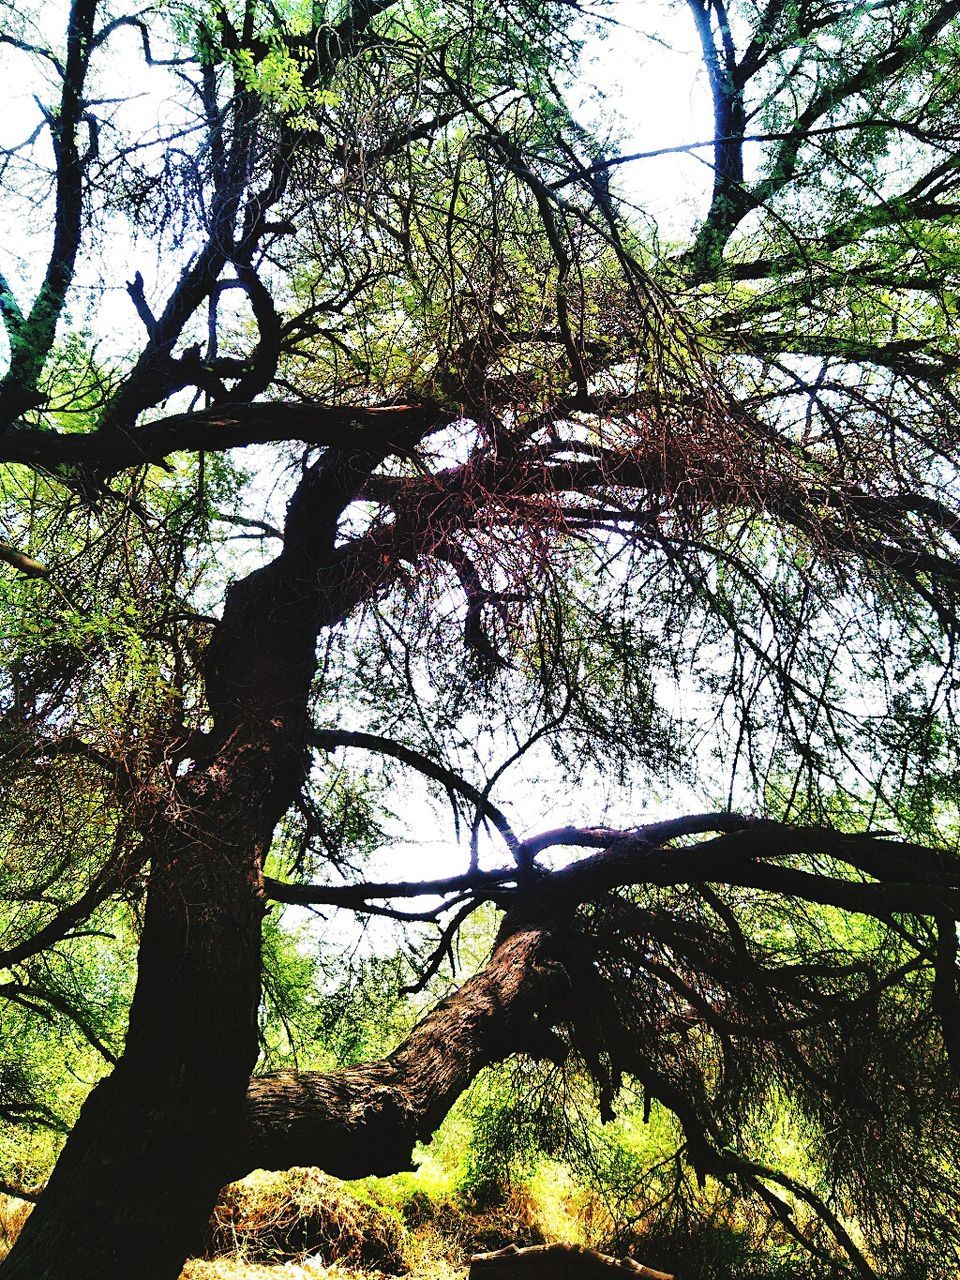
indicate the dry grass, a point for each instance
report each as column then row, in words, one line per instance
column 13, row 1214
column 321, row 1229
column 237, row 1269
column 303, row 1225
column 308, row 1226
column 301, row 1214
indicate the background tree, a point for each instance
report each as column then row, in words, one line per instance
column 668, row 514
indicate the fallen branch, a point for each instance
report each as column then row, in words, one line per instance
column 556, row 1262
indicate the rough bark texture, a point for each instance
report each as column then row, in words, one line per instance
column 366, row 1120
column 153, row 1142
column 359, row 1121
column 157, row 1139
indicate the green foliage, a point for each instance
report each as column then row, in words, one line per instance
column 61, row 1014
column 324, row 1009
column 686, row 517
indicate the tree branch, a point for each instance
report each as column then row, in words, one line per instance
column 29, row 567
column 329, row 739
column 215, row 430
column 367, row 1119
column 32, row 341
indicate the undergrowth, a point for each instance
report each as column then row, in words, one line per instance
column 495, row 1174
column 302, row 1225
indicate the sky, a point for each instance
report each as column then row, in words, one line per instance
column 642, row 86
column 642, row 83
column 655, row 96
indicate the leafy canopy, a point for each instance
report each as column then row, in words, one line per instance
column 629, row 516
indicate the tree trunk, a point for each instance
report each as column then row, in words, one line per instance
column 366, row 1120
column 139, row 1176
column 157, row 1139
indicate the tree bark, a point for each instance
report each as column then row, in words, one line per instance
column 155, row 1141
column 152, row 1146
column 366, row 1120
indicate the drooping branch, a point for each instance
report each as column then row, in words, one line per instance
column 329, row 739
column 878, row 528
column 556, row 982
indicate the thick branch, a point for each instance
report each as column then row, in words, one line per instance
column 366, row 1120
column 730, row 199
column 31, row 341
column 20, row 560
column 216, row 430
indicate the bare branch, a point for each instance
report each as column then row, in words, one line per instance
column 106, row 451
column 328, row 739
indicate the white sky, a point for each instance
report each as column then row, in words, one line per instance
column 655, row 96
column 643, row 86
column 652, row 95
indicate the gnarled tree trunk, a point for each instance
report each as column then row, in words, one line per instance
column 157, row 1139
column 165, row 1166
column 367, row 1119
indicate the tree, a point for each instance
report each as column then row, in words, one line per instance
column 542, row 469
